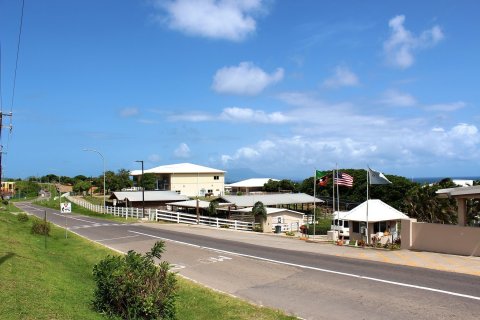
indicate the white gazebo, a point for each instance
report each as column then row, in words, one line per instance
column 379, row 216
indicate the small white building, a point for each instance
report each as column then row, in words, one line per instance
column 187, row 179
column 379, row 216
column 285, row 219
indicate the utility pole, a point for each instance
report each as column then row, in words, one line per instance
column 143, row 191
column 1, row 147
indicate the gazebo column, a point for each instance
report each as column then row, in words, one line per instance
column 462, row 211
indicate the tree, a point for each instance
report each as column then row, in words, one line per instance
column 212, row 208
column 149, row 181
column 422, row 203
column 81, row 186
column 271, row 186
column 259, row 211
column 27, row 188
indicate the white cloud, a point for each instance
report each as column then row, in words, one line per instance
column 244, row 79
column 399, row 49
column 446, row 107
column 343, row 77
column 249, row 115
column 398, row 99
column 182, row 151
column 323, row 134
column 129, row 112
column 231, row 20
column 191, row 117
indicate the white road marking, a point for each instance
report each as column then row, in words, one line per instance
column 116, row 238
column 401, row 284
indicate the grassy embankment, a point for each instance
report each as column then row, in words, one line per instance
column 55, row 204
column 56, row 282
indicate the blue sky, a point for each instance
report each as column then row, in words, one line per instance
column 279, row 87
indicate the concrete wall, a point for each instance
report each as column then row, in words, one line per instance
column 441, row 238
column 190, row 184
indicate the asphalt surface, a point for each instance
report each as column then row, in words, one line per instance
column 306, row 284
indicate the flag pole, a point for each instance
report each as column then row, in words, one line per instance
column 314, row 199
column 368, row 183
column 338, row 202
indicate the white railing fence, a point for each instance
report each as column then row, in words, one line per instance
column 164, row 215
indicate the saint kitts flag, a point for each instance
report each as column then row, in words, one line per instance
column 321, row 178
column 343, row 179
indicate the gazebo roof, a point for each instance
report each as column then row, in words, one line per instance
column 377, row 211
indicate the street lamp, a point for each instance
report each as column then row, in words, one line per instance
column 143, row 190
column 103, row 160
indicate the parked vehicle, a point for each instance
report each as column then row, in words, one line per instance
column 340, row 224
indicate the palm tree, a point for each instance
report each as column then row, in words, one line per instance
column 259, row 212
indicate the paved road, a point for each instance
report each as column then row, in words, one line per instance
column 309, row 285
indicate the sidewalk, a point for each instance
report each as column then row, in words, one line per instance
column 430, row 260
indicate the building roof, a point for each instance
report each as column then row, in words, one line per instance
column 250, row 183
column 178, row 168
column 193, row 204
column 271, row 210
column 270, row 199
column 377, row 211
column 460, row 192
column 149, row 196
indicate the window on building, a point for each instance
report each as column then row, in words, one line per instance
column 216, row 177
column 355, row 226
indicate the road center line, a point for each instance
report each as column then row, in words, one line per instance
column 401, row 284
column 117, row 238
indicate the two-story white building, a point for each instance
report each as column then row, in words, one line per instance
column 187, row 179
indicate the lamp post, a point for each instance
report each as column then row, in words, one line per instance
column 143, row 190
column 103, row 160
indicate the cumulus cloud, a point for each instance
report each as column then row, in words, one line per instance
column 250, row 115
column 217, row 19
column 244, row 79
column 191, row 117
column 400, row 48
column 182, row 151
column 342, row 77
column 318, row 139
column 129, row 112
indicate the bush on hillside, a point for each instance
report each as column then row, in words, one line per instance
column 41, row 227
column 134, row 287
column 22, row 217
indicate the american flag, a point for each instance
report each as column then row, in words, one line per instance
column 343, row 179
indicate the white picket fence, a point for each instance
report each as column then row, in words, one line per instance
column 164, row 215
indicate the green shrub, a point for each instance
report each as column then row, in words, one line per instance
column 322, row 226
column 133, row 287
column 22, row 217
column 290, row 233
column 257, row 229
column 225, row 226
column 41, row 227
column 5, row 202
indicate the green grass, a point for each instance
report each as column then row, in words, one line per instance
column 57, row 282
column 55, row 204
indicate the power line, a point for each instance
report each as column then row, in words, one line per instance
column 18, row 53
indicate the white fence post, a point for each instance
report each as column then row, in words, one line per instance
column 217, row 223
column 235, row 224
column 178, row 217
